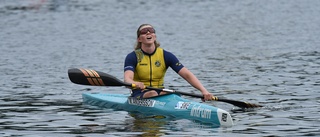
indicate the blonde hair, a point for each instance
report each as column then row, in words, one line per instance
column 138, row 44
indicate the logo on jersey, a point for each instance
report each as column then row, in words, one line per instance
column 157, row 63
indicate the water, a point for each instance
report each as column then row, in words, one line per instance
column 264, row 52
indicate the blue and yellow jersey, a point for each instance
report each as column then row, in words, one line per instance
column 151, row 68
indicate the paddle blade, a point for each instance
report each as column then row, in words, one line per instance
column 93, row 78
column 238, row 103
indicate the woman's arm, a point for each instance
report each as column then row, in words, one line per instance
column 194, row 81
column 128, row 77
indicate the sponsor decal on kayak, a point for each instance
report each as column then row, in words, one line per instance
column 182, row 105
column 224, row 117
column 197, row 111
column 141, row 102
column 161, row 103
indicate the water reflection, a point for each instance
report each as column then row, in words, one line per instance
column 133, row 123
column 148, row 125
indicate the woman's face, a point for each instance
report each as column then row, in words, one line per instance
column 147, row 35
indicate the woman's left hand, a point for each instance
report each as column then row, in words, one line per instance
column 207, row 96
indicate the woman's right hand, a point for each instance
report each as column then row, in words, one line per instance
column 139, row 85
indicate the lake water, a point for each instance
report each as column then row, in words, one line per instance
column 264, row 52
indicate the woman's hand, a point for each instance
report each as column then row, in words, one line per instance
column 128, row 77
column 139, row 85
column 207, row 96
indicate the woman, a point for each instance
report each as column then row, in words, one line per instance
column 147, row 65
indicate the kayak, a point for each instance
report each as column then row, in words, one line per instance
column 172, row 105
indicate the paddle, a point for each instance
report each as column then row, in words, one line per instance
column 96, row 78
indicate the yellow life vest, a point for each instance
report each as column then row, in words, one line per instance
column 150, row 69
